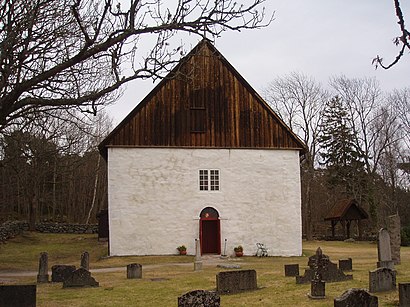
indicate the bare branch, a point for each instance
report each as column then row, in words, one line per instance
column 62, row 53
column 403, row 40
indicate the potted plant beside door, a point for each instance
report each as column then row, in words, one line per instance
column 238, row 251
column 182, row 250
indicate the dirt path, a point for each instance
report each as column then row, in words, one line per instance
column 208, row 260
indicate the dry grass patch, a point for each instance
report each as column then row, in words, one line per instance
column 165, row 278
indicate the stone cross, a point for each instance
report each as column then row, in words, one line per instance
column 317, row 285
column 327, row 269
column 198, row 259
column 42, row 276
column 384, row 250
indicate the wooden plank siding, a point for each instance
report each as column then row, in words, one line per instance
column 203, row 102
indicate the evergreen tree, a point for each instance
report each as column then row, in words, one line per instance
column 338, row 151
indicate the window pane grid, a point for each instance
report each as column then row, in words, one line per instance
column 209, row 180
column 203, row 180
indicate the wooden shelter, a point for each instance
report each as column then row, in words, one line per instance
column 345, row 211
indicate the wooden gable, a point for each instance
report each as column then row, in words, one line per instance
column 203, row 102
column 346, row 209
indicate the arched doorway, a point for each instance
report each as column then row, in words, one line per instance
column 210, row 231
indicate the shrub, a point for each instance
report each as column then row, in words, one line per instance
column 405, row 236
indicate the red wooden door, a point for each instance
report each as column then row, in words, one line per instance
column 209, row 231
column 210, row 242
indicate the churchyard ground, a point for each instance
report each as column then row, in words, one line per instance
column 167, row 277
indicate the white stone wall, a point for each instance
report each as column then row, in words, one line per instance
column 155, row 202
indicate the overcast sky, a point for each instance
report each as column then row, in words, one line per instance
column 319, row 38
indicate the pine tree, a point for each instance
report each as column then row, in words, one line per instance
column 338, row 151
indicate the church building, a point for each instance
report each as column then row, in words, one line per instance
column 204, row 157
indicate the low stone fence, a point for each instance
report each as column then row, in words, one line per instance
column 11, row 229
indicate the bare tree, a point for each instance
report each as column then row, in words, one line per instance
column 401, row 100
column 61, row 54
column 367, row 106
column 299, row 100
column 52, row 166
column 403, row 40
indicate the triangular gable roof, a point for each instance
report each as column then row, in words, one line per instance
column 163, row 116
column 343, row 207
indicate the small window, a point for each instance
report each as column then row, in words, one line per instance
column 209, row 180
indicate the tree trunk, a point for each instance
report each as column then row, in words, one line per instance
column 32, row 213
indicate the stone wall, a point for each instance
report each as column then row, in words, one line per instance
column 11, row 229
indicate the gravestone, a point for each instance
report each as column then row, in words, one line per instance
column 382, row 279
column 60, row 272
column 199, row 298
column 134, row 271
column 384, row 250
column 395, row 237
column 404, row 294
column 356, row 297
column 292, row 270
column 42, row 275
column 345, row 265
column 317, row 287
column 18, row 295
column 198, row 259
column 327, row 269
column 85, row 261
column 80, row 278
column 236, row 281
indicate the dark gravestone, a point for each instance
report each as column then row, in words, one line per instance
column 80, row 278
column 384, row 250
column 356, row 298
column 346, row 265
column 404, row 294
column 292, row 270
column 236, row 281
column 134, row 271
column 18, row 295
column 317, row 287
column 199, row 298
column 327, row 269
column 60, row 272
column 85, row 261
column 42, row 275
column 382, row 279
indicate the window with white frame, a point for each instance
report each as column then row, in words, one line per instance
column 209, row 180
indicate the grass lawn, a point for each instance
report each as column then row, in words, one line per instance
column 164, row 279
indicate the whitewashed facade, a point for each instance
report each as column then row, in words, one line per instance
column 155, row 201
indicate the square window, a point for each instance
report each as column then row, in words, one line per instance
column 209, row 180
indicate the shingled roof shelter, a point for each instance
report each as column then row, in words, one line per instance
column 345, row 211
